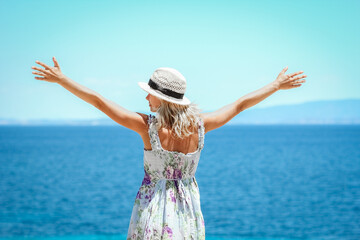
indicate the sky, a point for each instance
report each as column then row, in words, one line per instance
column 225, row 50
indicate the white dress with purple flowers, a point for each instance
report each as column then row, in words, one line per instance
column 167, row 205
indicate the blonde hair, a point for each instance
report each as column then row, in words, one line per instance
column 181, row 119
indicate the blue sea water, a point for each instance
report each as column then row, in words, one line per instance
column 256, row 182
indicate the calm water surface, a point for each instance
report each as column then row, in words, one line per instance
column 256, row 182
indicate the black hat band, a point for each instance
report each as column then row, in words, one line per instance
column 165, row 91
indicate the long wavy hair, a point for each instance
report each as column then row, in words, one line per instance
column 181, row 119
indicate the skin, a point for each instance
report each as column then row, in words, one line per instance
column 154, row 102
column 138, row 121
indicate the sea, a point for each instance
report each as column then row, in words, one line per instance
column 255, row 182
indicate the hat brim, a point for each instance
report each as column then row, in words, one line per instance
column 148, row 89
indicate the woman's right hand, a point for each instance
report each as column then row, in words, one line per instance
column 289, row 81
column 50, row 74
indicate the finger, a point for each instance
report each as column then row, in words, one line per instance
column 40, row 69
column 43, row 64
column 297, row 83
column 296, row 73
column 39, row 73
column 40, row 78
column 284, row 70
column 56, row 64
column 300, row 77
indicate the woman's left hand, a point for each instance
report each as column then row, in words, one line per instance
column 288, row 81
column 49, row 74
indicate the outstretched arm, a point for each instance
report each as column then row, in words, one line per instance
column 218, row 118
column 134, row 121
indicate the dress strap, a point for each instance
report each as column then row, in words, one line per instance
column 152, row 132
column 201, row 134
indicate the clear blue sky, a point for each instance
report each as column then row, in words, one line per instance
column 225, row 49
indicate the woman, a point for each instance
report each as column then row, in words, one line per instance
column 167, row 205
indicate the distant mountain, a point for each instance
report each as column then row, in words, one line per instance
column 315, row 112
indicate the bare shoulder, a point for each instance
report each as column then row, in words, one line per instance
column 212, row 120
column 143, row 116
column 203, row 116
column 143, row 126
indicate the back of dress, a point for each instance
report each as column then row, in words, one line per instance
column 167, row 205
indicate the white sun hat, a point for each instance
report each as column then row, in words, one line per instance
column 168, row 84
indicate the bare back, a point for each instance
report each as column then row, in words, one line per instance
column 170, row 143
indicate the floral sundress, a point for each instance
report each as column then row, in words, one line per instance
column 167, row 205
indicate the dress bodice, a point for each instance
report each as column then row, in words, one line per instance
column 163, row 164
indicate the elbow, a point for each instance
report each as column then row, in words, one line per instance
column 97, row 102
column 240, row 104
column 239, row 109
